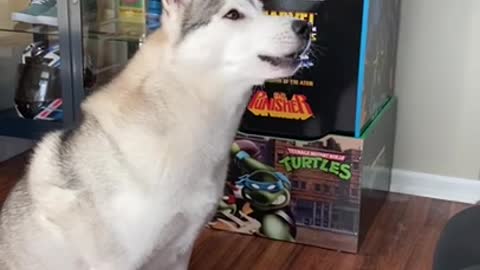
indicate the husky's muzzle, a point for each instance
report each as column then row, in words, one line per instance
column 303, row 31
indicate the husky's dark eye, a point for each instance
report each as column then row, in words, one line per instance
column 233, row 15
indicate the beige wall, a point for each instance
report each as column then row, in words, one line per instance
column 438, row 84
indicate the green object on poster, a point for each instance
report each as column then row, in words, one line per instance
column 132, row 10
column 132, row 3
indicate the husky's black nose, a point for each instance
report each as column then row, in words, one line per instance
column 302, row 28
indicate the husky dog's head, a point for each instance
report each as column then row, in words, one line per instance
column 234, row 38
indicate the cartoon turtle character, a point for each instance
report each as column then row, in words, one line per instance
column 267, row 192
column 229, row 218
column 227, row 206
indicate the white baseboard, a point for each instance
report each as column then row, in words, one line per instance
column 435, row 186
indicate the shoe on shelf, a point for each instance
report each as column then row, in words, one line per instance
column 49, row 17
column 36, row 8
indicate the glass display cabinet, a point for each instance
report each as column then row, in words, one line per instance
column 54, row 53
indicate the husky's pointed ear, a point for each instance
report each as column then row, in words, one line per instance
column 172, row 17
column 174, row 6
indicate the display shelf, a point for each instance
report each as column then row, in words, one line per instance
column 9, row 26
column 116, row 30
column 109, row 30
column 11, row 125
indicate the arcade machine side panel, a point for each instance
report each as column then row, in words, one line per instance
column 380, row 58
column 377, row 161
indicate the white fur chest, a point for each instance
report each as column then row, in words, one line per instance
column 168, row 218
column 179, row 172
column 188, row 180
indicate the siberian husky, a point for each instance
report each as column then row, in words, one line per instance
column 143, row 172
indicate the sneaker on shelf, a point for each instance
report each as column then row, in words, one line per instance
column 49, row 18
column 36, row 8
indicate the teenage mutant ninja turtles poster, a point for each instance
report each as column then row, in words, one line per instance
column 293, row 191
column 257, row 197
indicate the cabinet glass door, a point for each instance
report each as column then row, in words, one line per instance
column 113, row 30
column 35, row 90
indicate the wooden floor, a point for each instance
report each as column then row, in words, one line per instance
column 403, row 236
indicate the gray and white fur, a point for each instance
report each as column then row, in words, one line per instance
column 144, row 170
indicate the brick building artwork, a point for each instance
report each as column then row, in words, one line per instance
column 321, row 200
column 323, row 191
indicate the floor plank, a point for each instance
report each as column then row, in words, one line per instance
column 10, row 171
column 402, row 237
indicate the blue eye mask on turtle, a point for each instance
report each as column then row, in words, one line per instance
column 249, row 182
